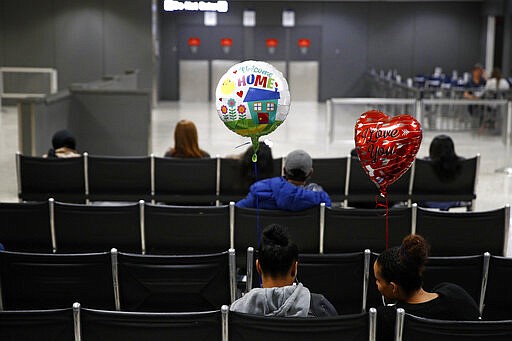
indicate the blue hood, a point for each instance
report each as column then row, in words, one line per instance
column 278, row 194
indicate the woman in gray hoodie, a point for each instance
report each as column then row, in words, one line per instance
column 280, row 295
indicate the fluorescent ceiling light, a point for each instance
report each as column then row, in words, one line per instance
column 212, row 6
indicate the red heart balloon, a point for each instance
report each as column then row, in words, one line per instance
column 386, row 146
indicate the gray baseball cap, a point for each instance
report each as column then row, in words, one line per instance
column 299, row 159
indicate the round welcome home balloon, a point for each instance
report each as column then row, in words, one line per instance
column 252, row 99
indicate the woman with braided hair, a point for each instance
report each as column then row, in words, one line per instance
column 399, row 278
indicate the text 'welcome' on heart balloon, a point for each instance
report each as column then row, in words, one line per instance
column 252, row 99
column 386, row 146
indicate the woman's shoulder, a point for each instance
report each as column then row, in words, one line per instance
column 450, row 290
column 457, row 296
column 204, row 154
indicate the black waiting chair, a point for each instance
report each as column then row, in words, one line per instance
column 119, row 178
column 40, row 179
column 304, row 226
column 25, row 227
column 183, row 283
column 232, row 183
column 186, row 229
column 185, row 181
column 341, row 278
column 48, row 281
column 424, row 329
column 362, row 191
column 498, row 296
column 466, row 271
column 352, row 230
column 331, row 174
column 246, row 327
column 428, row 187
column 126, row 326
column 37, row 325
column 464, row 233
column 92, row 228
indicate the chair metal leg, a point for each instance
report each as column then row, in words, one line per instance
column 250, row 270
column 86, row 177
column 142, row 227
column 232, row 274
column 366, row 277
column 76, row 321
column 414, row 218
column 225, row 325
column 115, row 278
column 399, row 325
column 18, row 173
column 485, row 276
column 322, row 227
column 51, row 205
column 152, row 156
column 372, row 333
column 506, row 225
column 232, row 224
column 217, row 182
column 347, row 180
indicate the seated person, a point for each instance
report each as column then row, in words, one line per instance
column 289, row 192
column 399, row 277
column 265, row 165
column 476, row 83
column 186, row 143
column 446, row 165
column 279, row 295
column 497, row 82
column 64, row 145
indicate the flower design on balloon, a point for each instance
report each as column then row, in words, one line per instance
column 231, row 103
column 241, row 110
column 224, row 109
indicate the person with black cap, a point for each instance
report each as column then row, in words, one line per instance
column 64, row 145
column 289, row 192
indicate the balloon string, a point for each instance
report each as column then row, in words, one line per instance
column 257, row 204
column 258, row 229
column 386, row 206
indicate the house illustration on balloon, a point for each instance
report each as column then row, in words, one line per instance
column 262, row 105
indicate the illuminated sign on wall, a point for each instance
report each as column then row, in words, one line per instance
column 212, row 6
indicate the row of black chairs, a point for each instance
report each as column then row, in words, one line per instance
column 83, row 324
column 130, row 282
column 206, row 181
column 160, row 229
column 410, row 327
column 117, row 281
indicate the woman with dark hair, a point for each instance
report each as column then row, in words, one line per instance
column 446, row 165
column 443, row 157
column 186, row 143
column 399, row 278
column 265, row 165
column 64, row 145
column 280, row 296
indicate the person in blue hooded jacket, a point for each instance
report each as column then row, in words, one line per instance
column 288, row 192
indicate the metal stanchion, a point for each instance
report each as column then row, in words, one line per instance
column 508, row 168
column 328, row 121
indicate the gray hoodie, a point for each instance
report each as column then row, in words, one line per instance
column 288, row 301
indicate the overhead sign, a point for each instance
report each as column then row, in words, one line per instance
column 210, row 6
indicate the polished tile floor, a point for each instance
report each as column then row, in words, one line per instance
column 305, row 128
